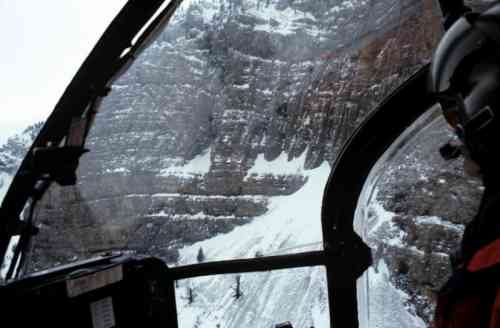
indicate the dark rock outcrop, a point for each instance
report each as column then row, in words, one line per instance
column 430, row 201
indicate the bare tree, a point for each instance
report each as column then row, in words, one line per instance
column 237, row 288
column 190, row 295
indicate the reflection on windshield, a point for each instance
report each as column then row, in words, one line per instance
column 222, row 133
column 412, row 213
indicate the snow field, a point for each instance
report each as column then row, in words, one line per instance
column 292, row 223
column 5, row 181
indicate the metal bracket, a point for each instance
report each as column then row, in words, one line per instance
column 452, row 10
column 59, row 163
column 18, row 227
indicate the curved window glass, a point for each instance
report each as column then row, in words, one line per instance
column 221, row 135
column 412, row 214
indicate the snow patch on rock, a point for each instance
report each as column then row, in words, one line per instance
column 285, row 21
column 199, row 165
column 279, row 166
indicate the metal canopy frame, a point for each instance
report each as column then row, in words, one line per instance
column 110, row 57
column 452, row 10
column 345, row 256
column 370, row 141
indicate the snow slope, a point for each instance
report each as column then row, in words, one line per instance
column 290, row 221
column 280, row 166
column 5, row 180
column 292, row 224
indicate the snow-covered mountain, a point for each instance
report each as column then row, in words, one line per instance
column 12, row 153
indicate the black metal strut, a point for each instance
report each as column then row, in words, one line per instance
column 452, row 10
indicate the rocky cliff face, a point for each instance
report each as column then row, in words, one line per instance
column 417, row 213
column 225, row 82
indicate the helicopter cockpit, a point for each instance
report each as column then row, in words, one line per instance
column 223, row 163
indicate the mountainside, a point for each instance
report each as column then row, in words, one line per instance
column 13, row 152
column 220, row 137
column 234, row 81
column 296, row 295
column 412, row 214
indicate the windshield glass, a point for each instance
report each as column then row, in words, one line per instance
column 220, row 137
column 412, row 213
column 263, row 299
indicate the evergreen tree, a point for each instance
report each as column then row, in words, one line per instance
column 190, row 295
column 201, row 256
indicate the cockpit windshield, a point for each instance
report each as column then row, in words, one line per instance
column 220, row 136
column 217, row 142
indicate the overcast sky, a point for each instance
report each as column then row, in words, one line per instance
column 43, row 43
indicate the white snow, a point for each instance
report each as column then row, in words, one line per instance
column 256, row 198
column 8, row 157
column 279, row 166
column 8, row 257
column 279, row 21
column 292, row 223
column 320, row 316
column 435, row 220
column 245, row 86
column 136, row 195
column 117, row 170
column 289, row 222
column 194, row 59
column 379, row 220
column 22, row 141
column 124, row 111
column 199, row 165
column 198, row 216
column 267, row 92
column 5, row 181
column 380, row 304
column 207, row 9
column 268, row 298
